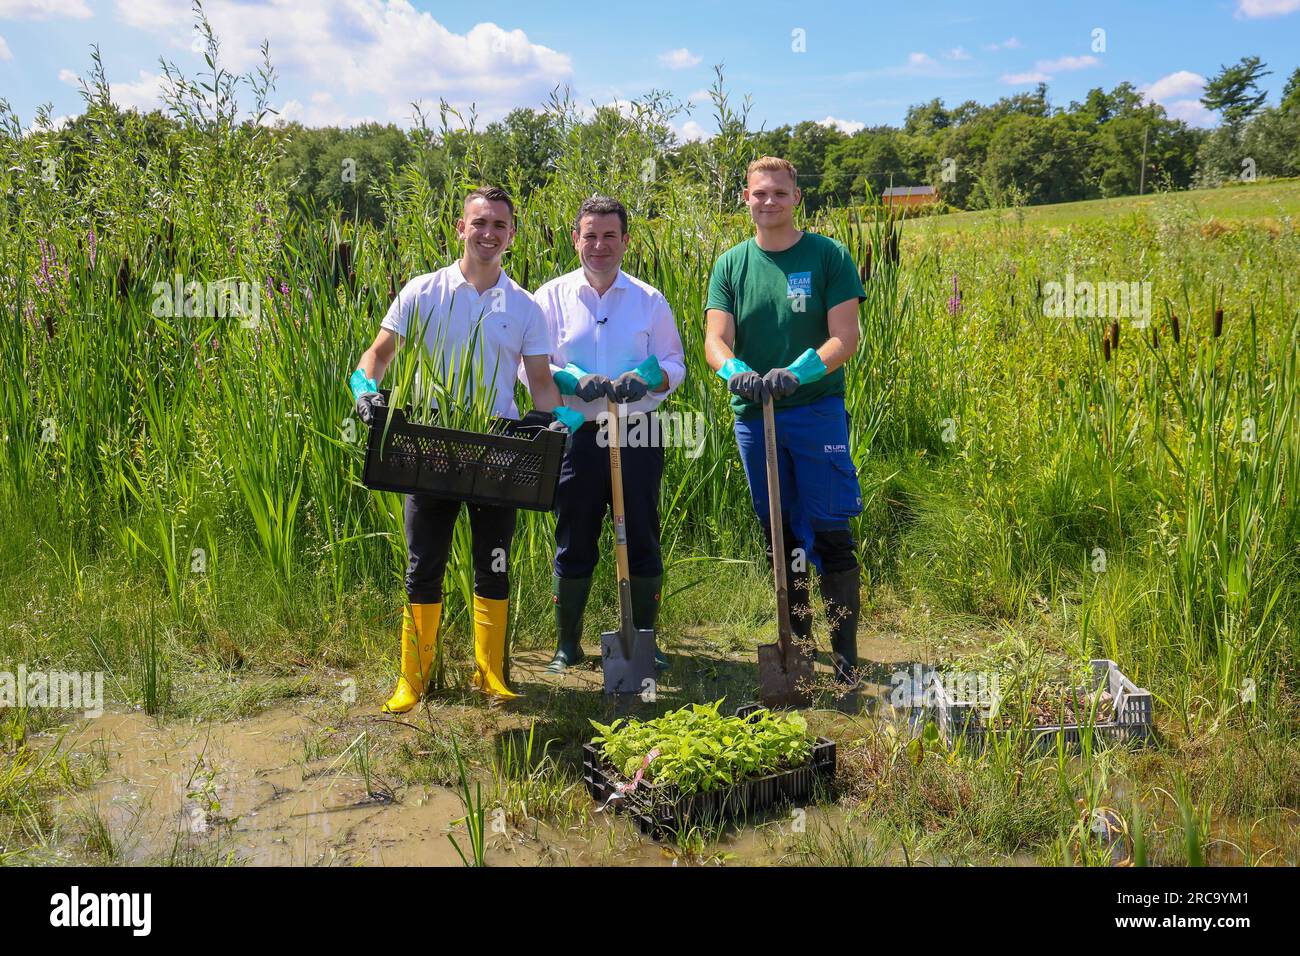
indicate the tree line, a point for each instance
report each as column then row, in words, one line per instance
column 1020, row 150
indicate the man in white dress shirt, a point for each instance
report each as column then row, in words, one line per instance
column 469, row 304
column 612, row 336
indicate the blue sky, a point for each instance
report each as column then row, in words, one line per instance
column 343, row 61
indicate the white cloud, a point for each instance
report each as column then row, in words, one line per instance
column 5, row 52
column 1182, row 83
column 69, row 77
column 699, row 96
column 43, row 9
column 1179, row 93
column 1191, row 112
column 385, row 49
column 144, row 94
column 1020, row 79
column 1254, row 9
column 957, row 53
column 321, row 111
column 1065, row 63
column 1044, row 69
column 679, row 59
column 691, row 131
column 1010, row 43
column 920, row 59
column 844, row 126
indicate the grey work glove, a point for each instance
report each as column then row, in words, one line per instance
column 592, row 387
column 749, row 385
column 630, row 387
column 370, row 405
column 781, row 383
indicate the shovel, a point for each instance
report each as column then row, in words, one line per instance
column 628, row 654
column 785, row 672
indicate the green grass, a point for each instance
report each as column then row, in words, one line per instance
column 1272, row 199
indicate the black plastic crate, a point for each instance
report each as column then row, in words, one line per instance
column 1131, row 723
column 659, row 809
column 514, row 465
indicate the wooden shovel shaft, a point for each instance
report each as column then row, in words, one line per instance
column 620, row 521
column 784, row 636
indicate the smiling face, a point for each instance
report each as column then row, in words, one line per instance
column 600, row 242
column 771, row 196
column 486, row 230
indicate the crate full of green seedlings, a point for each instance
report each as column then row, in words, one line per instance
column 1100, row 705
column 697, row 766
column 495, row 461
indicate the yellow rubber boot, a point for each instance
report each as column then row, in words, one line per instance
column 490, row 619
column 419, row 641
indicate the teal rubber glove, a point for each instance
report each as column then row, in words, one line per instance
column 361, row 383
column 567, row 419
column 650, row 371
column 365, row 391
column 808, row 367
column 732, row 366
column 566, row 379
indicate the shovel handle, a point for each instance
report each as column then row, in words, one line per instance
column 784, row 636
column 620, row 519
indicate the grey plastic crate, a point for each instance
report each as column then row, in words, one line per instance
column 965, row 721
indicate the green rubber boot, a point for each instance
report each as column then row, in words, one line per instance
column 645, row 609
column 570, row 599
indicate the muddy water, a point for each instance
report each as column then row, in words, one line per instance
column 245, row 791
column 256, row 791
column 247, row 788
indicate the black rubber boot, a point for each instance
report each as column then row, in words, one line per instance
column 645, row 609
column 570, row 598
column 841, row 590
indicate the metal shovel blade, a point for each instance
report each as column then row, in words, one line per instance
column 782, row 683
column 628, row 660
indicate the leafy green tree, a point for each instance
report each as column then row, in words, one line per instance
column 1235, row 91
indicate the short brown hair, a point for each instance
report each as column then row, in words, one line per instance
column 601, row 206
column 492, row 194
column 772, row 164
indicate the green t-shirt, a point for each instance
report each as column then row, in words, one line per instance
column 780, row 301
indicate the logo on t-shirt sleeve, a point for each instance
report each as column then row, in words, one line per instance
column 798, row 285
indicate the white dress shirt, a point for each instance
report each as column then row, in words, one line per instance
column 610, row 334
column 508, row 323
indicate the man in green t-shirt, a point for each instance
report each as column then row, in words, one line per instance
column 782, row 321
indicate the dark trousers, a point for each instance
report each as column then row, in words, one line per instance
column 429, row 525
column 582, row 500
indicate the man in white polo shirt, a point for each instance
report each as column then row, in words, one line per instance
column 612, row 336
column 471, row 311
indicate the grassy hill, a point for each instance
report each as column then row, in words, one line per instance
column 1268, row 199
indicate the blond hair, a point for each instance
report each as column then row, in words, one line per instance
column 772, row 164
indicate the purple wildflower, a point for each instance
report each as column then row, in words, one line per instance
column 954, row 303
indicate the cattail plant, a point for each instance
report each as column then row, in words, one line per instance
column 1114, row 335
column 1218, row 322
column 1173, row 325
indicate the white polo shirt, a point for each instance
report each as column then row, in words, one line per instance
column 508, row 322
column 610, row 334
